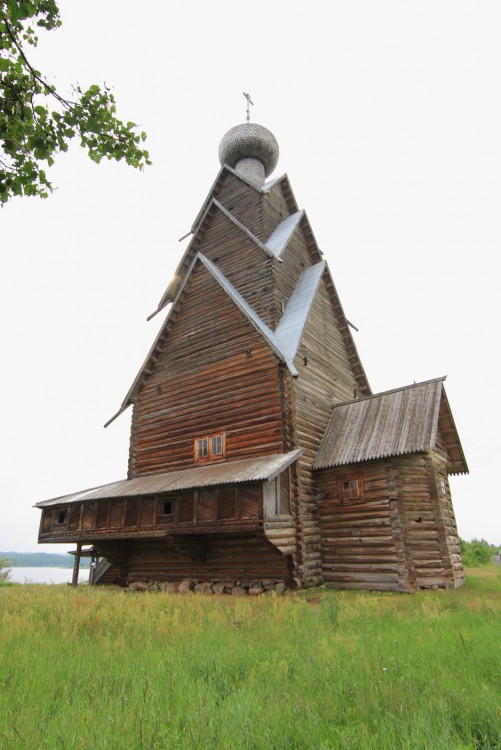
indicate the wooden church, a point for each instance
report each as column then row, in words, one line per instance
column 259, row 457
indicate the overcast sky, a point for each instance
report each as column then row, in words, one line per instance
column 388, row 118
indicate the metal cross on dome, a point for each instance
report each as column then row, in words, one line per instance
column 249, row 102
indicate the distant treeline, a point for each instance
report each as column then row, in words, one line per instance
column 41, row 560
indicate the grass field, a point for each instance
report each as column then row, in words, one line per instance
column 99, row 669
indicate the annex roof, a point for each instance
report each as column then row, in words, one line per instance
column 232, row 472
column 394, row 423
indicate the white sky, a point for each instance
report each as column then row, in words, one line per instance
column 388, row 118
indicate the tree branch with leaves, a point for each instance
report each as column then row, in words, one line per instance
column 36, row 122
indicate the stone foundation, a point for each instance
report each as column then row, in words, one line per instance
column 210, row 588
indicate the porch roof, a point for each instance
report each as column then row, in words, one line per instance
column 231, row 472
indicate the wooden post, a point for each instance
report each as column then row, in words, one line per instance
column 76, row 565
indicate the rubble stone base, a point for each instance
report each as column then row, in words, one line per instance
column 210, row 588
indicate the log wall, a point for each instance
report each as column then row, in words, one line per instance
column 358, row 544
column 438, row 466
column 219, row 558
column 215, row 373
column 244, row 202
column 233, row 507
column 399, row 536
column 325, row 378
column 275, row 210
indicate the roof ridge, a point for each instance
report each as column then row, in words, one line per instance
column 392, row 390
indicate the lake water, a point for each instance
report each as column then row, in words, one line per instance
column 46, row 575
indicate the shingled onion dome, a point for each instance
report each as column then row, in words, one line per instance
column 251, row 150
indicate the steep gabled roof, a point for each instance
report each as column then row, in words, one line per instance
column 230, row 472
column 277, row 242
column 185, row 262
column 393, row 423
column 270, row 337
column 292, row 323
column 223, row 172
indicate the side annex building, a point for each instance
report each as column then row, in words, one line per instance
column 259, row 456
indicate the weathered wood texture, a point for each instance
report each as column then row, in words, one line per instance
column 358, row 546
column 233, row 507
column 393, row 538
column 215, row 373
column 219, row 557
column 246, row 265
column 243, row 202
column 275, row 209
column 296, row 259
column 325, row 378
column 438, row 466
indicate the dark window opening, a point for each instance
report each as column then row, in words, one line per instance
column 61, row 516
column 350, row 489
column 167, row 507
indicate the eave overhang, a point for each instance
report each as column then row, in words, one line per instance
column 264, row 468
column 393, row 423
column 269, row 336
column 185, row 263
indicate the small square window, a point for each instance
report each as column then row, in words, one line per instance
column 167, row 507
column 61, row 517
column 203, row 448
column 208, row 447
column 217, row 445
column 350, row 489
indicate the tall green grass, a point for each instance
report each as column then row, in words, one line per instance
column 99, row 668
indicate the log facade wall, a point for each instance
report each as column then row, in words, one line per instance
column 242, row 558
column 399, row 536
column 215, row 373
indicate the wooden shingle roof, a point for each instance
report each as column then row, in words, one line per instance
column 232, row 472
column 394, row 423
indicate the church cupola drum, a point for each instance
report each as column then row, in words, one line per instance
column 259, row 457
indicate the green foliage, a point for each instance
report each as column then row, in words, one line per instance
column 36, row 122
column 41, row 560
column 100, row 668
column 4, row 565
column 476, row 553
